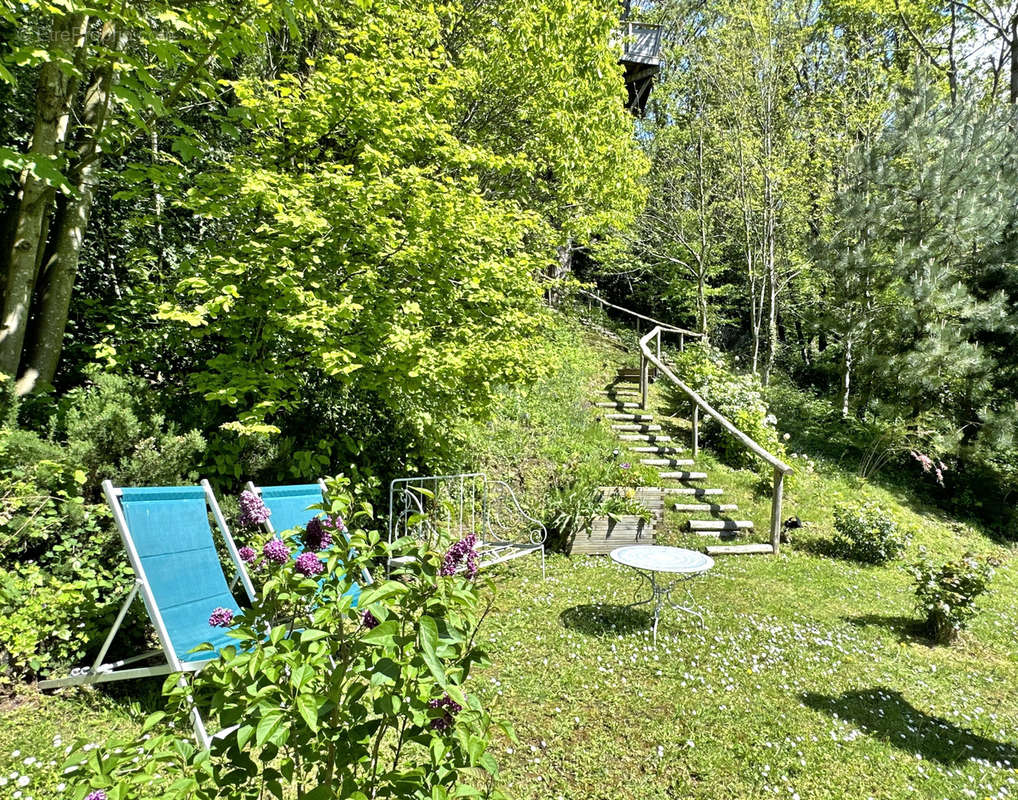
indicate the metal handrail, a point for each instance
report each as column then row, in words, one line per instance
column 648, row 357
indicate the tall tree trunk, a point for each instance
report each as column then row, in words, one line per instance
column 1014, row 60
column 846, row 377
column 53, row 100
column 747, row 226
column 57, row 281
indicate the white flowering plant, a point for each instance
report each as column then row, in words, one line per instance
column 946, row 593
column 324, row 695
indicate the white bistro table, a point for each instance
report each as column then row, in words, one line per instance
column 649, row 560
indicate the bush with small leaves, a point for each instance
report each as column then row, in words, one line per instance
column 323, row 696
column 946, row 593
column 868, row 534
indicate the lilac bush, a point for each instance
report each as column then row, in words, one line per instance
column 247, row 554
column 401, row 658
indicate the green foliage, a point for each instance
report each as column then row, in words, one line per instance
column 946, row 593
column 331, row 700
column 737, row 397
column 112, row 431
column 622, row 503
column 867, row 533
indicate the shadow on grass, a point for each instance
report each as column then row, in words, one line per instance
column 907, row 629
column 603, row 620
column 884, row 714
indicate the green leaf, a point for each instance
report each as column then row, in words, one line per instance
column 307, row 707
column 429, row 645
column 382, row 635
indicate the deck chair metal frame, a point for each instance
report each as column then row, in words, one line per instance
column 461, row 504
column 270, row 528
column 100, row 672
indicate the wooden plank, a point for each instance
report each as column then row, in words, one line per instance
column 720, row 525
column 684, row 476
column 606, row 534
column 667, row 462
column 709, row 508
column 737, row 549
column 643, row 437
column 696, row 491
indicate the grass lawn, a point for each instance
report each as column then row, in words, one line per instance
column 807, row 681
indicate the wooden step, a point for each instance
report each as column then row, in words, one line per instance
column 682, row 475
column 720, row 525
column 635, row 426
column 663, row 450
column 619, row 392
column 646, row 417
column 617, row 405
column 708, row 508
column 643, row 437
column 696, row 491
column 737, row 549
column 667, row 462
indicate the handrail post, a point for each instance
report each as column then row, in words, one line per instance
column 696, row 430
column 779, row 485
column 644, row 379
column 658, row 343
column 682, row 342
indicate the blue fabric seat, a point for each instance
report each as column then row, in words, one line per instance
column 291, row 508
column 169, row 528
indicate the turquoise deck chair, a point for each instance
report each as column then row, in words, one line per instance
column 291, row 508
column 166, row 533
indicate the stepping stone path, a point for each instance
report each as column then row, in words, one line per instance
column 635, row 428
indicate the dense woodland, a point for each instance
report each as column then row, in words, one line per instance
column 274, row 240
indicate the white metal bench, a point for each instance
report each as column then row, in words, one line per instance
column 431, row 506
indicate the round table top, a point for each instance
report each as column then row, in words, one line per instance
column 659, row 558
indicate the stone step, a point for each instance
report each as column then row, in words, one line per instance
column 646, row 417
column 708, row 508
column 696, row 491
column 643, row 437
column 667, row 462
column 737, row 549
column 663, row 450
column 617, row 405
column 682, row 475
column 635, row 426
column 720, row 525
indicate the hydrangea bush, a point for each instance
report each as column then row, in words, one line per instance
column 868, row 534
column 946, row 593
column 327, row 699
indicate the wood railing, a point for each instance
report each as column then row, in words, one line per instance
column 781, row 469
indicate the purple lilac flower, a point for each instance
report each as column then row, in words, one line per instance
column 221, row 618
column 247, row 554
column 450, row 708
column 253, row 512
column 276, row 550
column 335, row 522
column 368, row 620
column 309, row 565
column 626, row 465
column 98, row 794
column 455, row 555
column 315, row 535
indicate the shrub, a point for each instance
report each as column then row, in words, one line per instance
column 868, row 534
column 113, row 431
column 737, row 397
column 331, row 700
column 946, row 593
